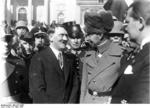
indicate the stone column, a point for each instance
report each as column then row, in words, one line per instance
column 8, row 14
column 29, row 18
column 46, row 10
column 2, row 11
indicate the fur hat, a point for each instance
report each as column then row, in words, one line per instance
column 98, row 21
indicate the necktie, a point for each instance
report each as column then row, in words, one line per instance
column 60, row 59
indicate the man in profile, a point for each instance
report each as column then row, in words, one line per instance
column 134, row 87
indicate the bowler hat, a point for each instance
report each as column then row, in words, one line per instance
column 97, row 22
column 22, row 24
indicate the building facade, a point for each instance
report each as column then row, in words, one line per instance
column 48, row 10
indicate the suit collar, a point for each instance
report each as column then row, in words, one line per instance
column 54, row 61
column 144, row 52
column 66, row 61
column 66, row 68
column 145, row 41
column 55, row 51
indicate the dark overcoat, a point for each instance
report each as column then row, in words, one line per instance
column 134, row 87
column 48, row 82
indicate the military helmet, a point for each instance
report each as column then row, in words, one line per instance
column 74, row 30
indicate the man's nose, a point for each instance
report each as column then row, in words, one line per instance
column 87, row 38
column 75, row 40
column 65, row 38
column 124, row 28
column 28, row 46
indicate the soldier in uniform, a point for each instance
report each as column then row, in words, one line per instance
column 75, row 38
column 40, row 38
column 17, row 64
column 101, row 63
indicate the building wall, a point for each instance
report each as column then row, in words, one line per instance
column 49, row 10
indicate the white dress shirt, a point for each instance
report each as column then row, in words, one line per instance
column 55, row 51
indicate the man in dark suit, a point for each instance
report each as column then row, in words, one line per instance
column 52, row 76
column 133, row 86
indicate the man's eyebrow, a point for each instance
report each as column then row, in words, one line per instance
column 63, row 34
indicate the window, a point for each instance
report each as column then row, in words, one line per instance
column 22, row 14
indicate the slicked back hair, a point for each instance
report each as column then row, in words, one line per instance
column 141, row 8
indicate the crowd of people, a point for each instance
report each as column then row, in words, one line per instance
column 105, row 62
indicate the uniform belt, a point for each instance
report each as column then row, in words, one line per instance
column 95, row 93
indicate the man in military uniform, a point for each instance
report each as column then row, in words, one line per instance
column 75, row 38
column 40, row 38
column 101, row 63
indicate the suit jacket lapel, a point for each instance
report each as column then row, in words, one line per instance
column 66, row 67
column 99, row 65
column 54, row 60
column 143, row 52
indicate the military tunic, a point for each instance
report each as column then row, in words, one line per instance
column 100, row 72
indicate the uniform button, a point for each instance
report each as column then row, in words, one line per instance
column 132, row 57
column 94, row 81
column 16, row 81
column 95, row 93
column 89, row 73
column 15, row 91
column 16, row 72
column 133, row 61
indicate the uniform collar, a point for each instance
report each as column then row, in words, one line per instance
column 103, row 47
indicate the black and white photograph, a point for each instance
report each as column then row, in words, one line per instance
column 74, row 52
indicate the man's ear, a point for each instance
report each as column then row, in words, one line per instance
column 142, row 22
column 51, row 37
